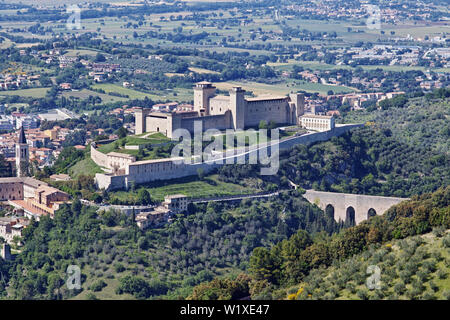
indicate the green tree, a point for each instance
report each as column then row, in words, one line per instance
column 122, row 132
column 144, row 197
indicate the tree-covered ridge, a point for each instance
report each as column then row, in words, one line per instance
column 413, row 268
column 290, row 261
column 401, row 151
column 420, row 121
column 119, row 260
column 370, row 160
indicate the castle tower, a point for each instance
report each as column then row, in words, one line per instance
column 299, row 100
column 203, row 91
column 237, row 107
column 139, row 118
column 22, row 154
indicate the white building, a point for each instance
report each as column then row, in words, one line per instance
column 317, row 122
column 28, row 122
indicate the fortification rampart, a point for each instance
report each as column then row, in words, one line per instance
column 165, row 169
column 98, row 157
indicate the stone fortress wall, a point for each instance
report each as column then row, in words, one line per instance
column 223, row 112
column 164, row 169
column 98, row 157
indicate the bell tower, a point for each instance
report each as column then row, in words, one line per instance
column 22, row 155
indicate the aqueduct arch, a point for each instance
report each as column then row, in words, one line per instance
column 363, row 206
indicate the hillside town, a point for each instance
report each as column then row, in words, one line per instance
column 239, row 151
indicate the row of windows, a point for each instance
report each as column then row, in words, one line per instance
column 6, row 190
column 155, row 168
column 316, row 120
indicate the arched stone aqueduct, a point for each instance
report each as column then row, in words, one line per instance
column 345, row 205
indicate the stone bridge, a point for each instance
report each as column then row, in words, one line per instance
column 353, row 207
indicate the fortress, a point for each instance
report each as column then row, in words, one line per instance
column 214, row 112
column 223, row 112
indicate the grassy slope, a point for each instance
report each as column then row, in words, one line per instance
column 86, row 167
column 347, row 279
column 33, row 92
column 208, row 187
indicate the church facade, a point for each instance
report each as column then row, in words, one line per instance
column 223, row 112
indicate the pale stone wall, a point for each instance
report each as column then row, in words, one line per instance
column 118, row 160
column 267, row 110
column 158, row 123
column 110, row 182
column 237, row 107
column 220, row 122
column 202, row 94
column 219, row 105
column 99, row 158
column 140, row 120
column 299, row 101
column 28, row 191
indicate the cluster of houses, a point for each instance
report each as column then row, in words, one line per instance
column 161, row 214
column 19, row 80
column 44, row 146
column 31, row 199
column 342, row 10
column 355, row 100
column 430, row 80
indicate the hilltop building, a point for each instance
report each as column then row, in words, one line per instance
column 172, row 204
column 214, row 112
column 317, row 122
column 223, row 112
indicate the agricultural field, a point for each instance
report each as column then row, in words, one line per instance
column 33, row 92
column 283, row 88
column 178, row 94
column 85, row 93
column 80, row 52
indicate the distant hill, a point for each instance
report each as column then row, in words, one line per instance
column 413, row 262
